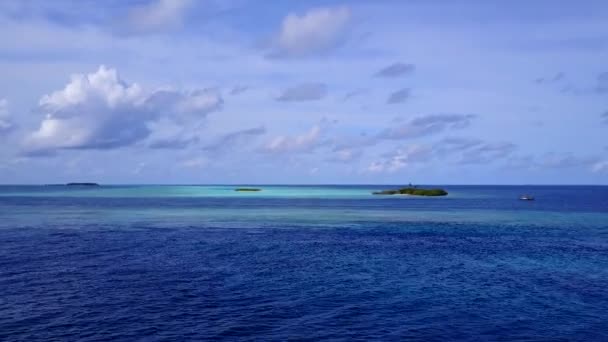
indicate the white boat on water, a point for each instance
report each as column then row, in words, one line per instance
column 526, row 198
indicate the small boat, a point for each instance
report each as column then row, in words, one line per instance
column 526, row 198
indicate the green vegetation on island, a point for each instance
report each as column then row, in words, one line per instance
column 247, row 189
column 413, row 191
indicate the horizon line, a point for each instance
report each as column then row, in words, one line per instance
column 304, row 184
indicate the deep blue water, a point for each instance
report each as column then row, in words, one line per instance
column 303, row 263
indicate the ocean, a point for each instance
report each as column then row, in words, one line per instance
column 166, row 263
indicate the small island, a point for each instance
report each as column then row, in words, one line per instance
column 247, row 189
column 82, row 184
column 414, row 191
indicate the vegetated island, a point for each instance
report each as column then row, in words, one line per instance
column 414, row 191
column 247, row 189
column 82, row 184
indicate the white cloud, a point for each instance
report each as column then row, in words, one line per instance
column 159, row 15
column 315, row 31
column 300, row 143
column 100, row 88
column 101, row 111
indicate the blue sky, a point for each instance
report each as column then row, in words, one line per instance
column 244, row 91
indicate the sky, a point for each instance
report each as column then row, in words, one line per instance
column 304, row 92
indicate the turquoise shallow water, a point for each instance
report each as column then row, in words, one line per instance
column 190, row 191
column 303, row 262
column 221, row 205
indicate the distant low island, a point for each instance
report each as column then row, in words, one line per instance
column 414, row 191
column 82, row 184
column 247, row 189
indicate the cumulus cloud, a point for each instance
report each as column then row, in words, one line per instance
column 101, row 111
column 315, row 31
column 158, row 15
column 304, row 92
column 395, row 70
column 5, row 120
column 402, row 158
column 398, row 96
column 427, row 125
column 305, row 142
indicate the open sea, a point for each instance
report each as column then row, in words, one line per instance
column 335, row 263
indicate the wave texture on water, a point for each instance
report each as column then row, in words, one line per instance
column 115, row 268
